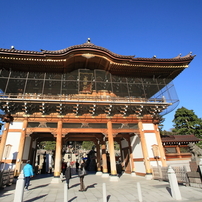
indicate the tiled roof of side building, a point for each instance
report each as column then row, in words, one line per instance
column 179, row 138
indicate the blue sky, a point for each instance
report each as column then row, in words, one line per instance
column 142, row 28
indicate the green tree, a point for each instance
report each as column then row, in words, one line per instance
column 186, row 122
column 87, row 145
column 165, row 132
column 47, row 145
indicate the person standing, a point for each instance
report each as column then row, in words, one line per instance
column 28, row 173
column 68, row 174
column 77, row 166
column 82, row 173
column 64, row 166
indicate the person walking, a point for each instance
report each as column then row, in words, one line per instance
column 82, row 173
column 68, row 174
column 28, row 173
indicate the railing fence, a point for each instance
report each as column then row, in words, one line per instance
column 161, row 173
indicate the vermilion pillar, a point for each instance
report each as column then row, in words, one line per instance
column 3, row 140
column 104, row 157
column 111, row 149
column 98, row 157
column 144, row 149
column 160, row 146
column 58, row 155
column 21, row 148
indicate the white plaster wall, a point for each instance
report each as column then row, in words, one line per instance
column 150, row 140
column 140, row 167
column 26, row 148
column 148, row 126
column 16, row 125
column 136, row 147
column 154, row 163
column 13, row 138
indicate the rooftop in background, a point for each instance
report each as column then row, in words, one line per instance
column 173, row 139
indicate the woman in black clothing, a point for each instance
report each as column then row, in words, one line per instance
column 82, row 173
column 68, row 174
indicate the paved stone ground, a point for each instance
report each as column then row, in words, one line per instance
column 42, row 190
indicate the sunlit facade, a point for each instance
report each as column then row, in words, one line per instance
column 86, row 92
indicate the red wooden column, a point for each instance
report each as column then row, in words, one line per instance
column 104, row 160
column 160, row 146
column 3, row 140
column 98, row 157
column 58, row 155
column 145, row 152
column 111, row 149
column 21, row 148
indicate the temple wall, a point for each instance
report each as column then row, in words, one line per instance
column 150, row 140
column 16, row 125
column 13, row 139
column 140, row 167
column 136, row 147
column 137, row 154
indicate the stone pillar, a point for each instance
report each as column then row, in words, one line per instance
column 160, row 146
column 131, row 157
column 58, row 155
column 21, row 148
column 104, row 160
column 145, row 152
column 3, row 140
column 112, row 153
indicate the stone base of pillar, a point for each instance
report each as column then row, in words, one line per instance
column 114, row 178
column 98, row 173
column 133, row 174
column 56, row 180
column 148, row 176
column 105, row 175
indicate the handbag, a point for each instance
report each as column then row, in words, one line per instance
column 82, row 172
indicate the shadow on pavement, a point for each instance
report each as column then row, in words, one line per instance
column 108, row 197
column 91, row 186
column 72, row 199
column 40, row 186
column 169, row 190
column 36, row 198
column 75, row 185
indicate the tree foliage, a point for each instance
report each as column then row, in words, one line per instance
column 186, row 122
column 87, row 145
column 47, row 145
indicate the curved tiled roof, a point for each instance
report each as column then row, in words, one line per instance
column 90, row 56
column 91, row 46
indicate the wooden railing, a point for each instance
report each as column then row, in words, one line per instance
column 79, row 97
column 161, row 173
column 6, row 178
